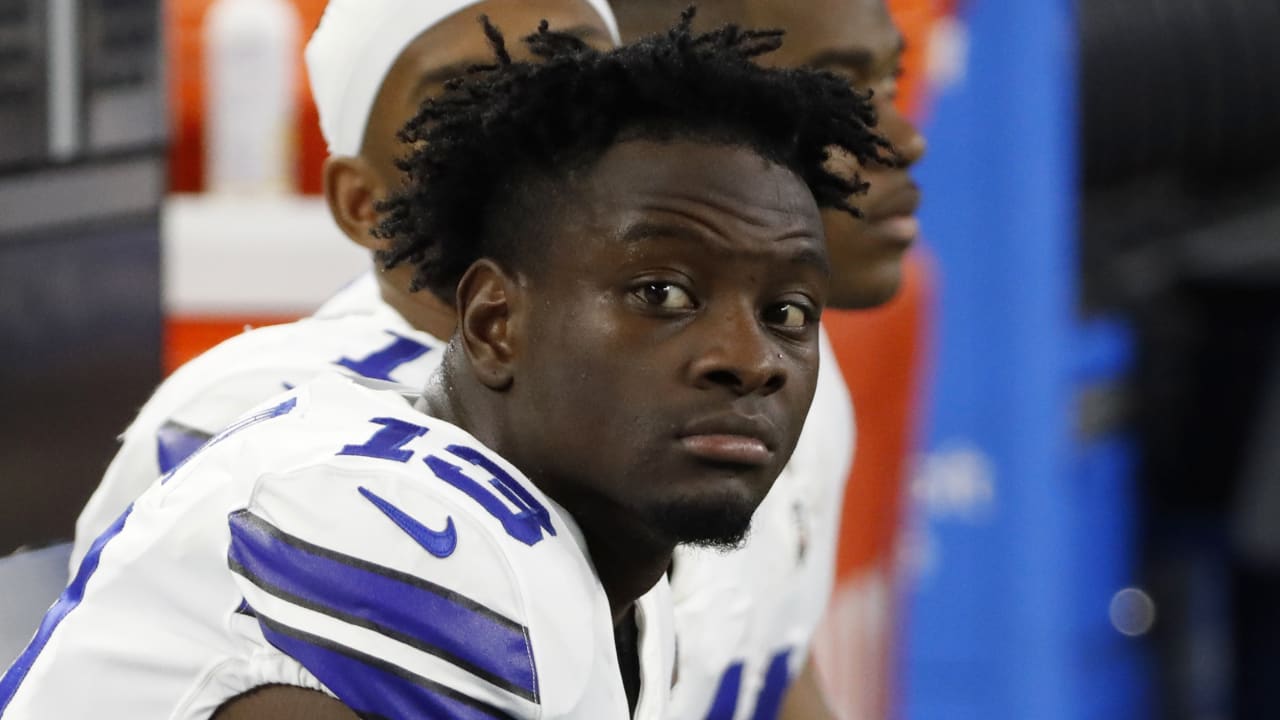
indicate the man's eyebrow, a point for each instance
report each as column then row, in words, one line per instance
column 854, row 59
column 440, row 75
column 810, row 256
column 859, row 60
column 436, row 76
column 649, row 230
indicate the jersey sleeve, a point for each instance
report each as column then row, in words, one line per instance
column 398, row 599
column 209, row 392
column 186, row 410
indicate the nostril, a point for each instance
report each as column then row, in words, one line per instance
column 724, row 377
column 774, row 384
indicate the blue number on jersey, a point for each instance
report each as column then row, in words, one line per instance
column 379, row 365
column 525, row 523
column 388, row 443
column 768, row 702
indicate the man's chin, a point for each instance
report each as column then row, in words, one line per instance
column 719, row 523
column 871, row 288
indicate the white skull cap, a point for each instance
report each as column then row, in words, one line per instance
column 354, row 47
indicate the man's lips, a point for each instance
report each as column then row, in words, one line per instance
column 732, row 449
column 903, row 229
column 734, row 439
column 894, row 216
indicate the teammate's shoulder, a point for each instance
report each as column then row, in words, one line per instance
column 218, row 385
column 317, row 340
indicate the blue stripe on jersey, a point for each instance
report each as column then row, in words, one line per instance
column 284, row 408
column 409, row 609
column 725, row 703
column 373, row 687
column 776, row 680
column 175, row 442
column 68, row 601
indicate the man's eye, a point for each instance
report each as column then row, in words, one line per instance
column 787, row 315
column 664, row 295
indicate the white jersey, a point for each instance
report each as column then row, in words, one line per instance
column 355, row 333
column 745, row 619
column 338, row 539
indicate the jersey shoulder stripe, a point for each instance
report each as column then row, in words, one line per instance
column 285, row 407
column 68, row 601
column 374, row 688
column 176, row 442
column 406, row 608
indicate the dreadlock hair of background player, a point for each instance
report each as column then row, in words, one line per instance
column 487, row 152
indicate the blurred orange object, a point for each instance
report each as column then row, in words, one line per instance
column 882, row 356
column 881, row 353
column 184, row 19
column 188, row 336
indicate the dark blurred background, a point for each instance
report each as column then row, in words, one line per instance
column 1180, row 230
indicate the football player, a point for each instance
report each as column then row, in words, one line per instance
column 746, row 620
column 637, row 256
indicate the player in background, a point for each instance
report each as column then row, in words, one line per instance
column 640, row 268
column 726, row 674
column 370, row 63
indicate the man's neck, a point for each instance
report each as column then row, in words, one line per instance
column 422, row 309
column 627, row 556
column 629, row 564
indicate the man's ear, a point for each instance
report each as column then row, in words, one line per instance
column 352, row 189
column 489, row 302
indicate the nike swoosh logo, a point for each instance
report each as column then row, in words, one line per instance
column 440, row 543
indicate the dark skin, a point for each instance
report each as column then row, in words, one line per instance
column 673, row 309
column 685, row 323
column 858, row 40
column 686, row 309
column 352, row 185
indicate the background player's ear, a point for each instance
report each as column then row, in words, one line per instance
column 352, row 188
column 488, row 301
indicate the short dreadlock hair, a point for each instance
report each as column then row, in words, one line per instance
column 503, row 130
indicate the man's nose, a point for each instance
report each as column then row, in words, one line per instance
column 907, row 141
column 739, row 354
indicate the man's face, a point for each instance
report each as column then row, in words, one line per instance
column 857, row 39
column 446, row 51
column 670, row 352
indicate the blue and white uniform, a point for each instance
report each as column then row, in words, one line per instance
column 339, row 539
column 355, row 333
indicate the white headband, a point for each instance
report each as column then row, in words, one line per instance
column 354, row 47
